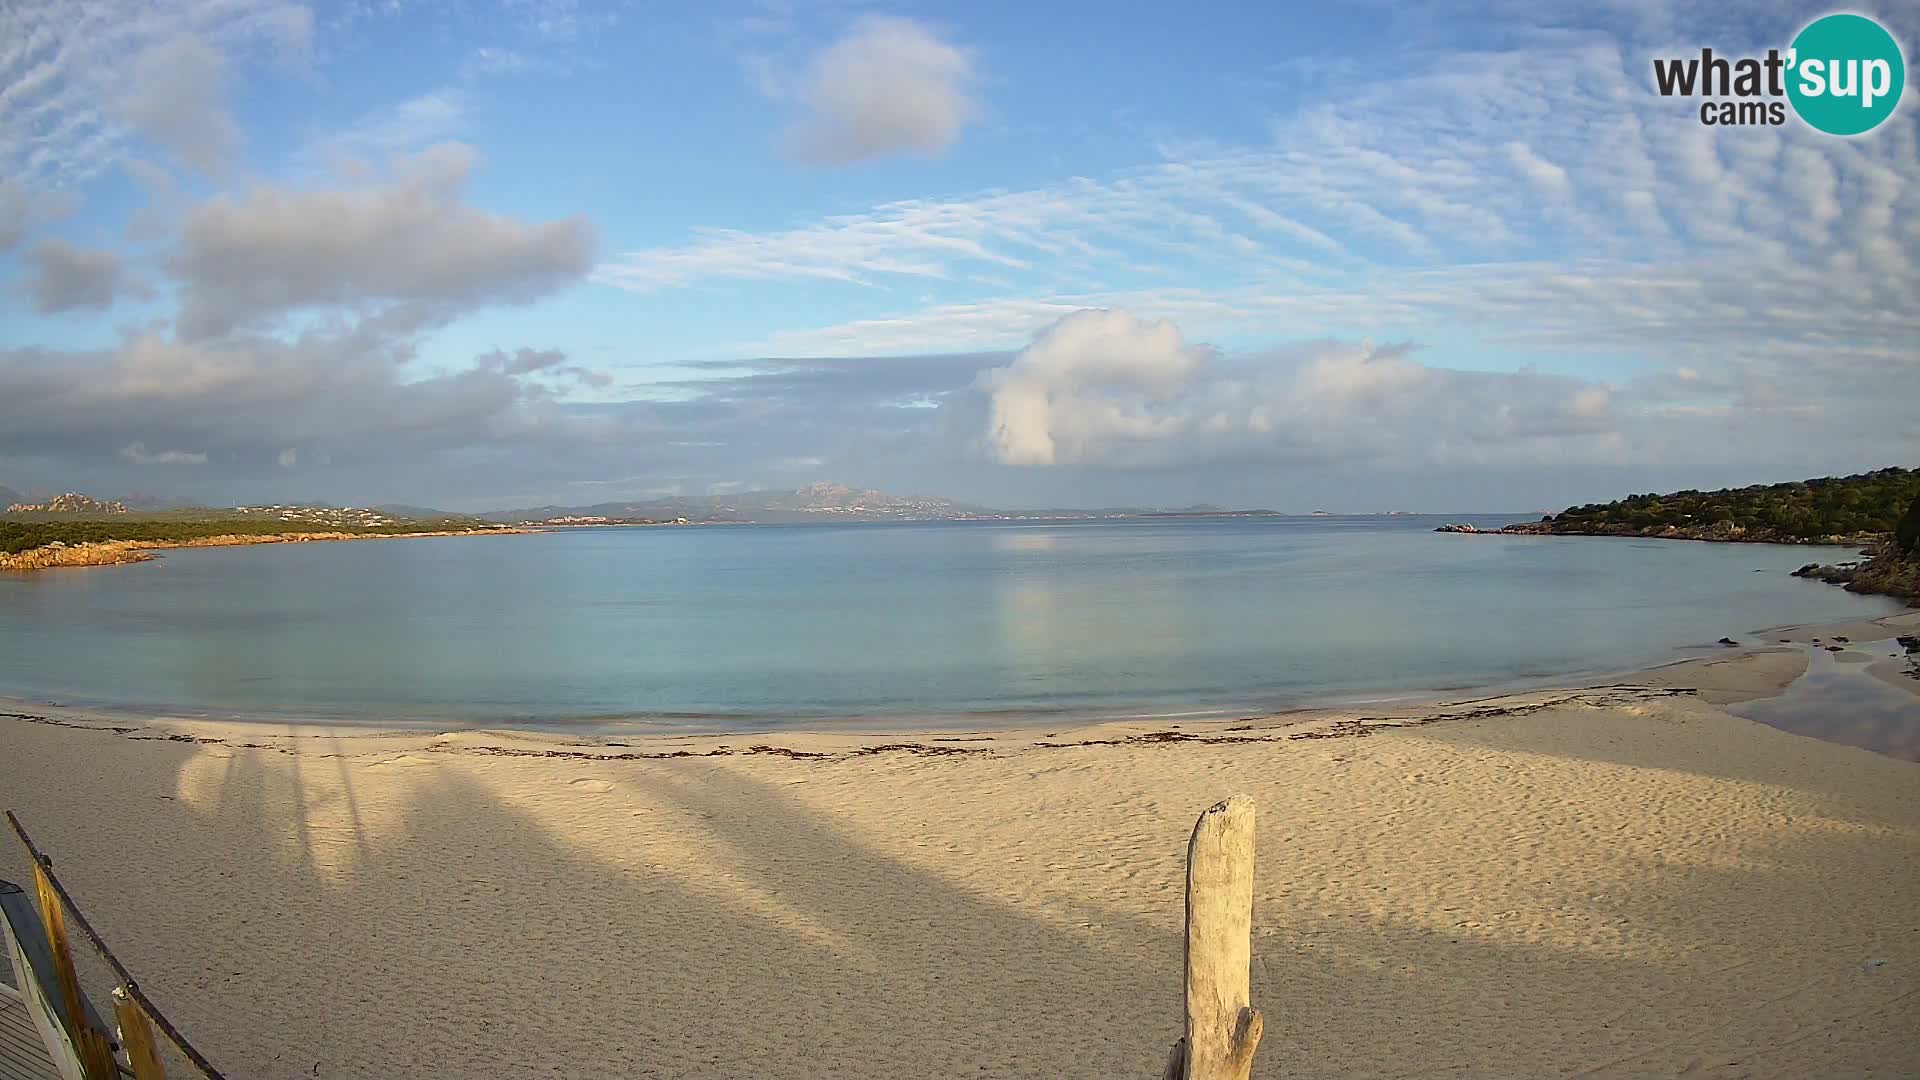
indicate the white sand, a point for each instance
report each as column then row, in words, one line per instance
column 1600, row 883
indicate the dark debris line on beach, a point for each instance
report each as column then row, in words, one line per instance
column 1356, row 727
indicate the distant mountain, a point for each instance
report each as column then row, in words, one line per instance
column 816, row 502
column 138, row 502
column 824, row 502
column 8, row 496
column 71, row 503
column 414, row 513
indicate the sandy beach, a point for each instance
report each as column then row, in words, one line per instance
column 1609, row 881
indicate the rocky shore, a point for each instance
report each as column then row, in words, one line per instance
column 1883, row 573
column 114, row 552
column 1723, row 532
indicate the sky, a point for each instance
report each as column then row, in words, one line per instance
column 1357, row 257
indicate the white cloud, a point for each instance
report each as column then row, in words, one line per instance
column 412, row 246
column 1092, row 378
column 1106, row 389
column 138, row 454
column 888, row 86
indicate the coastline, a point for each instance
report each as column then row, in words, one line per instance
column 120, row 552
column 1881, row 570
column 1544, row 883
column 1724, row 675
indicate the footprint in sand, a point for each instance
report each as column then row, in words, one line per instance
column 588, row 783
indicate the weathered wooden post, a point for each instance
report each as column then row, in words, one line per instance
column 143, row 1054
column 1223, row 1028
column 93, row 1048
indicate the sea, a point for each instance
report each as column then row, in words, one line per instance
column 977, row 623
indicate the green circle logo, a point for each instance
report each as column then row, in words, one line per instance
column 1846, row 74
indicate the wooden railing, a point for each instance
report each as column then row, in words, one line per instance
column 90, row 1045
column 1221, row 1033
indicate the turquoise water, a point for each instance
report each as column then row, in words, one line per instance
column 962, row 622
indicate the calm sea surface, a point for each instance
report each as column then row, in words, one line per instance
column 961, row 622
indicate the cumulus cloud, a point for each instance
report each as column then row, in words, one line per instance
column 67, row 278
column 175, row 94
column 889, row 86
column 247, row 398
column 412, row 246
column 1092, row 379
column 1104, row 388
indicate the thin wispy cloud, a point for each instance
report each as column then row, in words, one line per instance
column 406, row 128
column 77, row 81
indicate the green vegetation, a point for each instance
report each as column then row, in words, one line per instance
column 1848, row 506
column 1906, row 535
column 22, row 532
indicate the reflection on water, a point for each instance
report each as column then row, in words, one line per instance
column 903, row 621
column 1839, row 701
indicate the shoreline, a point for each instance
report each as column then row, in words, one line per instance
column 122, row 552
column 1741, row 673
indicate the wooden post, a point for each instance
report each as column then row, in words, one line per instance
column 137, row 1036
column 1223, row 1028
column 94, row 1049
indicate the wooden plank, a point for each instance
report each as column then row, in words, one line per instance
column 23, row 1055
column 16, row 1046
column 27, row 1057
column 53, row 922
column 137, row 1036
column 70, row 1029
column 32, row 967
column 35, row 962
column 89, row 1042
column 1223, row 1029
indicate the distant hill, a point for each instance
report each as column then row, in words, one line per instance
column 8, row 497
column 71, row 503
column 1857, row 509
column 816, row 502
column 825, row 502
column 403, row 510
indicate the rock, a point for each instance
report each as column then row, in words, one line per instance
column 1451, row 527
column 1728, row 641
column 1840, row 639
column 1834, row 648
column 1909, row 642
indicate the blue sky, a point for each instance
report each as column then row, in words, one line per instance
column 1442, row 256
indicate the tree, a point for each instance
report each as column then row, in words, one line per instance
column 1906, row 535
